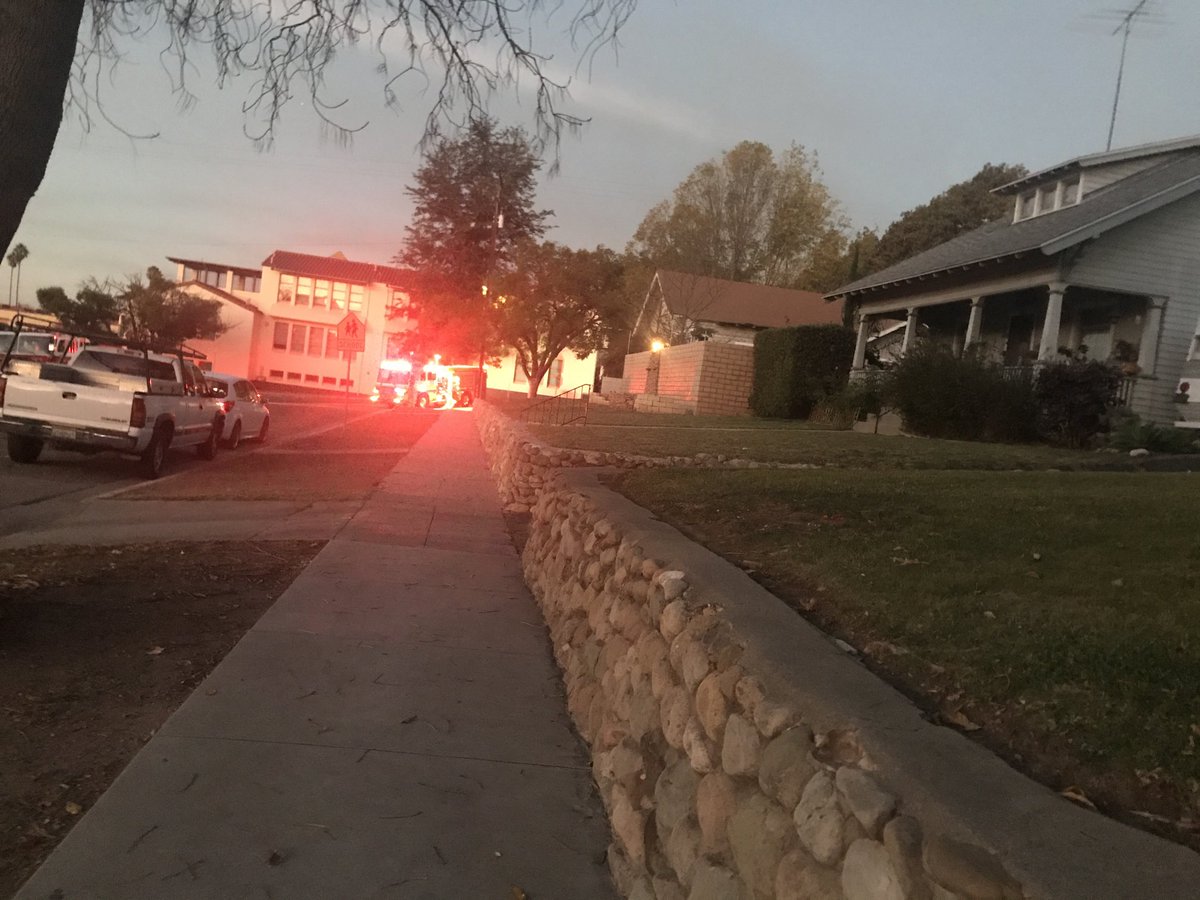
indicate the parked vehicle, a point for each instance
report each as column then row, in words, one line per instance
column 23, row 350
column 111, row 396
column 247, row 416
column 433, row 386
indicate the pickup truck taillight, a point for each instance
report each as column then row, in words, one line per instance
column 137, row 415
column 228, row 404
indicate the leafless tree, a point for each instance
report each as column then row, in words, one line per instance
column 461, row 51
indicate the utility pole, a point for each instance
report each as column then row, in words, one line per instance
column 1125, row 26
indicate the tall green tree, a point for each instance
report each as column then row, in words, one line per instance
column 750, row 215
column 156, row 311
column 553, row 299
column 474, row 205
column 93, row 309
column 57, row 56
column 957, row 210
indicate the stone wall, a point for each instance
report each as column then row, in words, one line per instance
column 743, row 754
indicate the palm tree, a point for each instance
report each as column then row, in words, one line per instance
column 15, row 258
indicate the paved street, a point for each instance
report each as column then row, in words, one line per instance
column 73, row 498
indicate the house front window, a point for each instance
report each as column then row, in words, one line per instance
column 1070, row 195
column 1046, row 201
column 1026, row 204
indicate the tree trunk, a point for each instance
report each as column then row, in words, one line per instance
column 37, row 47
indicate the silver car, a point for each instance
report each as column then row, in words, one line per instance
column 247, row 416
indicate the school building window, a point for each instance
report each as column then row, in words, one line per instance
column 251, row 284
column 299, row 333
column 281, row 336
column 320, row 293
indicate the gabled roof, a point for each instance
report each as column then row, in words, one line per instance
column 1049, row 234
column 223, row 267
column 223, row 295
column 1092, row 160
column 716, row 300
column 337, row 268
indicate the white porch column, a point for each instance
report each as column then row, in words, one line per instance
column 1151, row 325
column 1049, row 346
column 975, row 322
column 860, row 346
column 910, row 329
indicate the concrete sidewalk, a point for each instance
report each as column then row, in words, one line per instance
column 393, row 726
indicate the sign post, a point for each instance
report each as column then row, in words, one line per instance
column 351, row 339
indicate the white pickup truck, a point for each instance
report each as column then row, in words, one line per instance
column 110, row 397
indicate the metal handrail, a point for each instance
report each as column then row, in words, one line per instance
column 561, row 409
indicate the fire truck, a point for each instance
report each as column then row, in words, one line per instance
column 432, row 386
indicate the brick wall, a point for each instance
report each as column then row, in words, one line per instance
column 708, row 377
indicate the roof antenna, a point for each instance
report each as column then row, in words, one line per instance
column 1125, row 26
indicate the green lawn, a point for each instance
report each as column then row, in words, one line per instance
column 771, row 440
column 1060, row 611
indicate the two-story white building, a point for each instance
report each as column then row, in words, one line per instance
column 1099, row 253
column 282, row 318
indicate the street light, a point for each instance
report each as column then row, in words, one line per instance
column 657, row 345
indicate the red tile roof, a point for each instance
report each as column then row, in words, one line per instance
column 337, row 268
column 706, row 299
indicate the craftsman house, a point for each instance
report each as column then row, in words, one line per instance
column 1099, row 254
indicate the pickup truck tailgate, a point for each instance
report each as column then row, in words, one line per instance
column 67, row 405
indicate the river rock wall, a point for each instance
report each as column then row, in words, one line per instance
column 741, row 753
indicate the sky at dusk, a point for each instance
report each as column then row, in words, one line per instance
column 899, row 99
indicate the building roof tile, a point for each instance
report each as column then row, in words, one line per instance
column 1047, row 234
column 705, row 299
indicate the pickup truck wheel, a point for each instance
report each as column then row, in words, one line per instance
column 464, row 400
column 235, row 437
column 155, row 455
column 22, row 449
column 208, row 450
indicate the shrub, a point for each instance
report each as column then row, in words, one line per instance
column 940, row 395
column 795, row 367
column 1132, row 433
column 1074, row 399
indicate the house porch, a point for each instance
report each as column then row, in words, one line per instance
column 1034, row 324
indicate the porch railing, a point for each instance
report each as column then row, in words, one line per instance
column 561, row 409
column 1028, row 374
